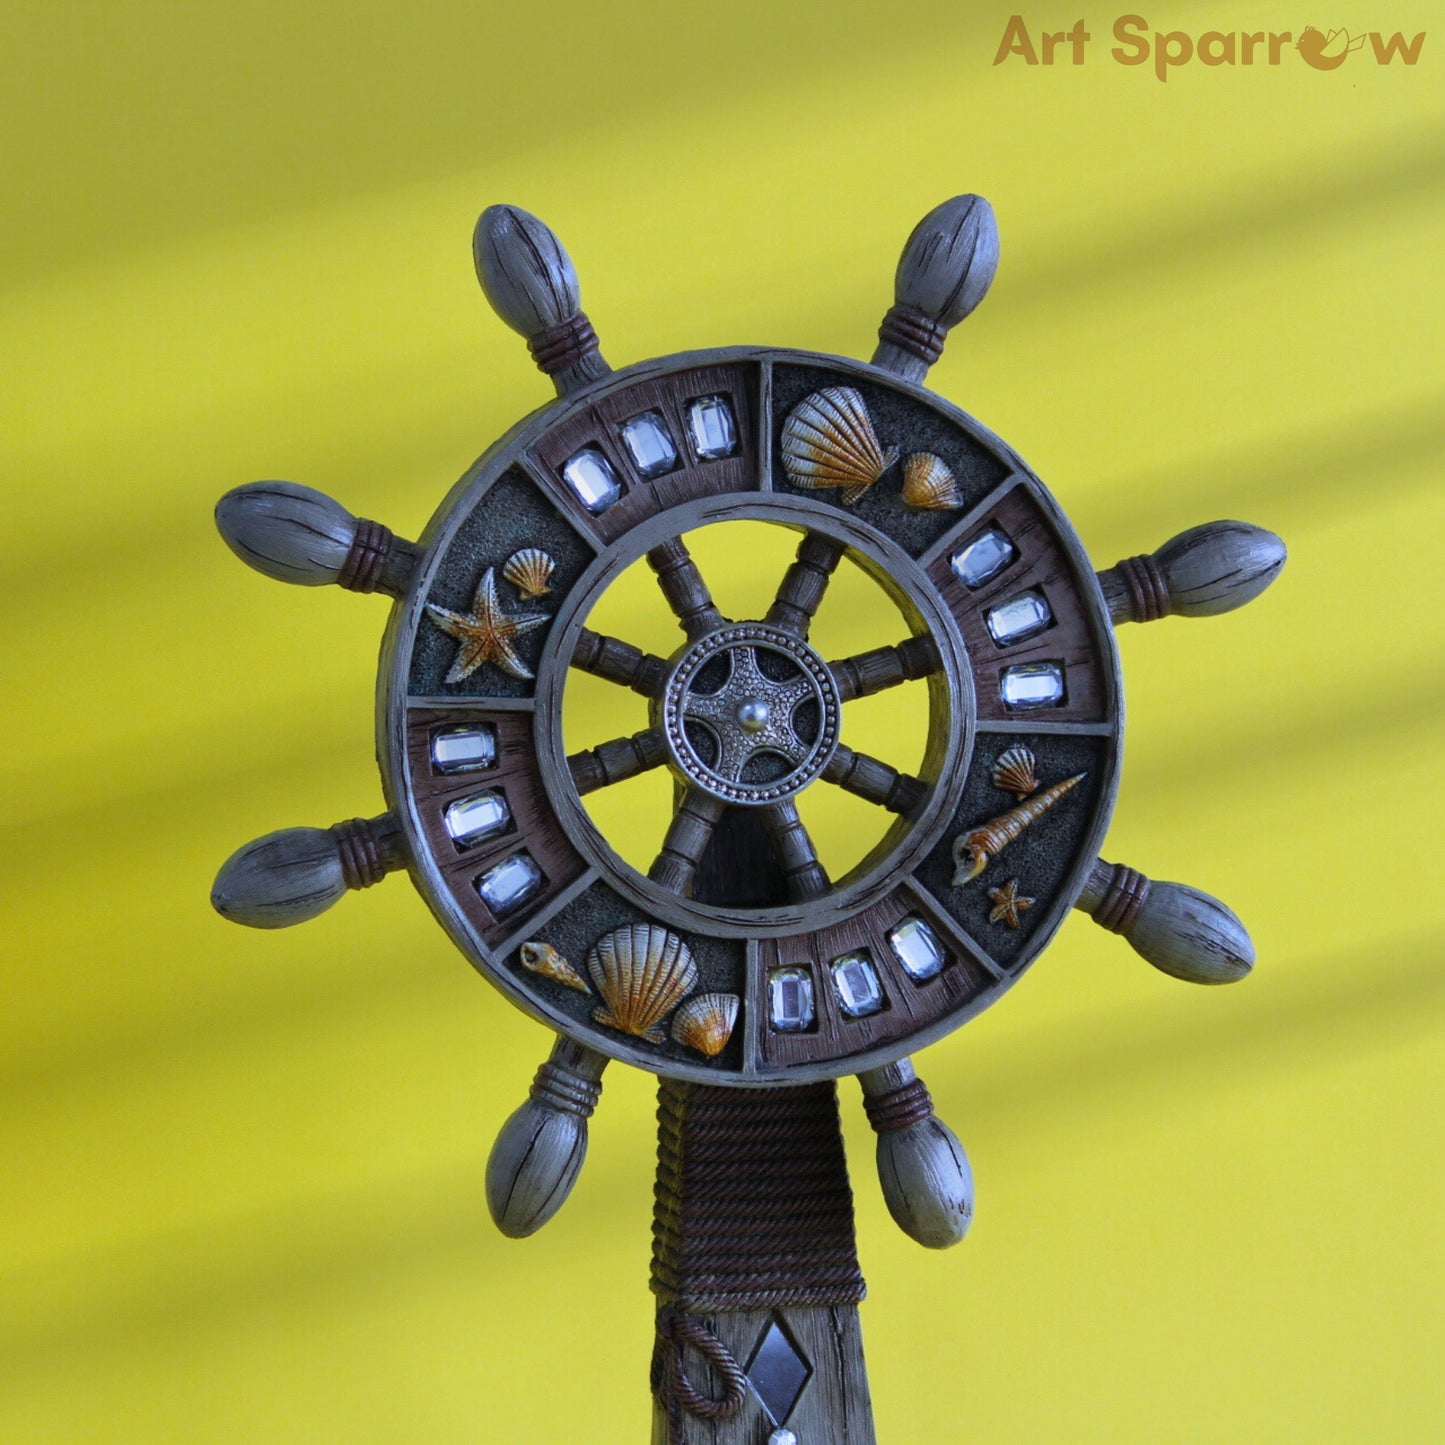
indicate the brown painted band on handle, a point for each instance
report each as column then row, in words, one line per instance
column 564, row 345
column 362, row 861
column 913, row 331
column 366, row 561
column 562, row 1088
column 1148, row 591
column 900, row 1108
column 1124, row 896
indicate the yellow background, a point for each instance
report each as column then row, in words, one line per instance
column 241, row 1173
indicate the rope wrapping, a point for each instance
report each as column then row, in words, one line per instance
column 753, row 1211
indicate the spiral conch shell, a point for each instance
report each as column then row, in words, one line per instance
column 928, row 482
column 544, row 959
column 972, row 850
column 642, row 972
column 829, row 441
column 705, row 1023
column 1014, row 772
column 530, row 570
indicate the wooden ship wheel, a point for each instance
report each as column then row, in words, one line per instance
column 735, row 968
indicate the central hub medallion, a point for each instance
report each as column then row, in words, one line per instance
column 750, row 714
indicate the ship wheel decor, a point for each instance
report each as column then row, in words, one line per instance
column 736, row 968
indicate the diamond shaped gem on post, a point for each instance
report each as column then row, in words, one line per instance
column 777, row 1372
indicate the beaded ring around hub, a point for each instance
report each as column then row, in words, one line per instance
column 761, row 732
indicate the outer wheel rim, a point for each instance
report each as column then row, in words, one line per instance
column 395, row 701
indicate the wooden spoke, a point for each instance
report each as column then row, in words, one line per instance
column 946, row 269
column 869, row 672
column 620, row 662
column 687, row 840
column 532, row 285
column 620, row 758
column 806, row 876
column 1200, row 573
column 804, row 584
column 875, row 780
column 687, row 594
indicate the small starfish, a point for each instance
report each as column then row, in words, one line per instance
column 487, row 635
column 1008, row 903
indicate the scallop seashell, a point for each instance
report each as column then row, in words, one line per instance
column 829, row 441
column 544, row 959
column 928, row 482
column 705, row 1023
column 642, row 972
column 1016, row 772
column 530, row 570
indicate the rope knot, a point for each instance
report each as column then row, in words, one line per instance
column 675, row 1330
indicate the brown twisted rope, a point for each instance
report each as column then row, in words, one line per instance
column 753, row 1208
column 670, row 1383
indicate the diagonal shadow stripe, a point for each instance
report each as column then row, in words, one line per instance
column 1266, row 208
column 187, row 1279
column 1327, row 1006
column 1367, row 459
column 1287, row 199
column 1357, row 722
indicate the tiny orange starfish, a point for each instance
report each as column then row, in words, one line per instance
column 487, row 635
column 1008, row 903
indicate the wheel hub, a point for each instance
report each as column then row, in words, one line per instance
column 750, row 714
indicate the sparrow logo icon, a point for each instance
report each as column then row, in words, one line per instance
column 1327, row 52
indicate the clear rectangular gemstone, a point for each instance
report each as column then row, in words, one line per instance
column 714, row 432
column 470, row 820
column 465, row 750
column 986, row 556
column 590, row 475
column 1033, row 684
column 917, row 948
column 790, row 1000
column 856, row 980
column 1019, row 617
column 650, row 444
column 510, row 884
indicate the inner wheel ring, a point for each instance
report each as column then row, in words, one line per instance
column 751, row 715
column 951, row 727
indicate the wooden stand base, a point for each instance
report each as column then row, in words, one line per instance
column 756, row 1271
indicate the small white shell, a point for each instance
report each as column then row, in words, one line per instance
column 829, row 441
column 705, row 1023
column 544, row 959
column 928, row 482
column 642, row 972
column 1016, row 772
column 530, row 570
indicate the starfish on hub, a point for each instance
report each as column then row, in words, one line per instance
column 488, row 634
column 1008, row 903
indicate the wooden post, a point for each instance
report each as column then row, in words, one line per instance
column 755, row 1271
